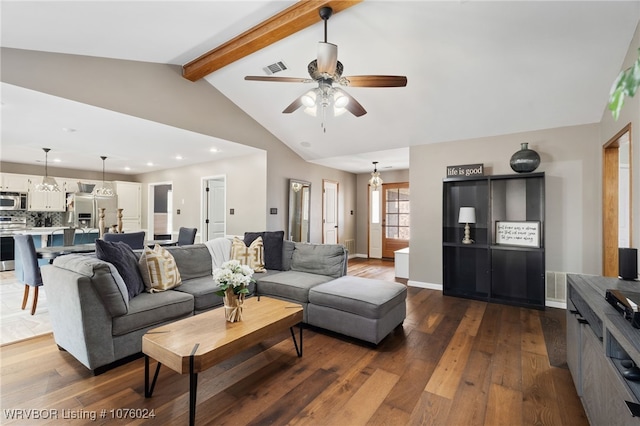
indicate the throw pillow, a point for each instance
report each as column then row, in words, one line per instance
column 272, row 242
column 121, row 256
column 158, row 269
column 252, row 256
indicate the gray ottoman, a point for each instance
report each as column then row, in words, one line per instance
column 358, row 307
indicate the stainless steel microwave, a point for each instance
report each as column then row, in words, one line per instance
column 13, row 201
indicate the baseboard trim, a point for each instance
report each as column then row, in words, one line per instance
column 420, row 284
column 553, row 304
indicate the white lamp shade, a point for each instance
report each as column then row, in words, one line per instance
column 467, row 215
column 308, row 99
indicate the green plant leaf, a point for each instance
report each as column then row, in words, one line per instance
column 626, row 84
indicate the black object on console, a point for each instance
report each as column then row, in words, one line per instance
column 628, row 263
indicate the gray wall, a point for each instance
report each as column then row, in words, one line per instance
column 158, row 92
column 569, row 159
column 630, row 113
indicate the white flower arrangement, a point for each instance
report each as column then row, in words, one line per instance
column 233, row 275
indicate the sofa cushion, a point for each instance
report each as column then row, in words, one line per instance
column 105, row 278
column 365, row 297
column 121, row 256
column 287, row 254
column 150, row 309
column 321, row 259
column 272, row 242
column 252, row 256
column 292, row 285
column 203, row 290
column 158, row 269
column 193, row 261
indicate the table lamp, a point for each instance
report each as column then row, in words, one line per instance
column 467, row 216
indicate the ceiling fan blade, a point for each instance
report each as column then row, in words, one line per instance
column 294, row 106
column 279, row 79
column 353, row 106
column 327, row 58
column 374, row 81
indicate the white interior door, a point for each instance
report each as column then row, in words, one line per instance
column 329, row 212
column 375, row 223
column 214, row 203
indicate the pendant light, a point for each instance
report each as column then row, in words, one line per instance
column 48, row 184
column 376, row 180
column 103, row 189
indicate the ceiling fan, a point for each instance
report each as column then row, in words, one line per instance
column 327, row 70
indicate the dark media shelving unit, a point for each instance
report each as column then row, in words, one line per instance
column 485, row 270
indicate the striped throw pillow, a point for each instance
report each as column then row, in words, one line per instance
column 252, row 256
column 158, row 269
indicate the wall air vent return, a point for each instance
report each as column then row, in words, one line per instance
column 274, row 68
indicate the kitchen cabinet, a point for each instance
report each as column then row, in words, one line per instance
column 130, row 201
column 10, row 182
column 488, row 268
column 45, row 201
column 599, row 339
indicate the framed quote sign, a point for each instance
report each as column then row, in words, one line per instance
column 523, row 234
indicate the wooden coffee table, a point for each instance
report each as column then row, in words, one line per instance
column 194, row 344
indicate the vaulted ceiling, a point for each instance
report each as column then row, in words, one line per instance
column 474, row 68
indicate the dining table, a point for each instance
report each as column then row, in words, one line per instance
column 51, row 252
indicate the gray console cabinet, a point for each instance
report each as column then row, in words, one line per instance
column 598, row 340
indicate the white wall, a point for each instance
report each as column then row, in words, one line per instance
column 246, row 192
column 362, row 211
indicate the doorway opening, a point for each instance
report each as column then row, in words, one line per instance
column 160, row 210
column 214, row 199
column 616, row 199
column 389, row 219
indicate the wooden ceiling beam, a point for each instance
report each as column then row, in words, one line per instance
column 291, row 20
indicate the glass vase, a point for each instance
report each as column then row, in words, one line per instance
column 526, row 160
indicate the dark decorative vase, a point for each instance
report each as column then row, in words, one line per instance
column 526, row 160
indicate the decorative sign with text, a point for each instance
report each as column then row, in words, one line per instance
column 465, row 170
column 524, row 234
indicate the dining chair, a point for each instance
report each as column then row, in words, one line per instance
column 29, row 273
column 68, row 237
column 186, row 236
column 135, row 240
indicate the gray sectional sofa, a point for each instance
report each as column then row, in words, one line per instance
column 94, row 320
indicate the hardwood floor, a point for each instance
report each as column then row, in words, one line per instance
column 453, row 362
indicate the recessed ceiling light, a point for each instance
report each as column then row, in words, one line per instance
column 213, row 150
column 127, row 168
column 149, row 164
column 69, row 129
column 305, row 144
column 57, row 160
column 178, row 157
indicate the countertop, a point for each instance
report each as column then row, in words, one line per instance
column 46, row 230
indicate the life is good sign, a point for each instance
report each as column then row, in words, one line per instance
column 525, row 234
column 465, row 170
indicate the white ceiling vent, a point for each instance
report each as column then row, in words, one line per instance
column 274, row 68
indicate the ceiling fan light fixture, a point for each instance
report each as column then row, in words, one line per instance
column 48, row 183
column 309, row 99
column 340, row 100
